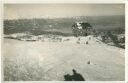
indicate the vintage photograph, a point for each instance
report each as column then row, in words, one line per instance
column 64, row 42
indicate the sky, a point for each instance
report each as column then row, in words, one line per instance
column 21, row 11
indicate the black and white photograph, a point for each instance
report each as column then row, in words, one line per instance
column 64, row 42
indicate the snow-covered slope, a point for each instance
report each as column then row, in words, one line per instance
column 52, row 60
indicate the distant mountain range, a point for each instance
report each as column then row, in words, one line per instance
column 63, row 25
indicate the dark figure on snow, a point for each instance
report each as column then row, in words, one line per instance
column 76, row 76
column 68, row 77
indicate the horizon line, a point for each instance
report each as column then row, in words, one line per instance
column 58, row 17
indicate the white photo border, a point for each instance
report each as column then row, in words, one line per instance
column 65, row 2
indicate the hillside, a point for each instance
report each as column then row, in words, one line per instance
column 42, row 49
column 49, row 60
